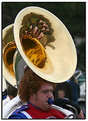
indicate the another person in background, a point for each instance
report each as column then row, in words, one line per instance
column 11, row 93
column 61, row 93
column 4, row 94
column 75, row 89
column 63, row 98
column 63, row 90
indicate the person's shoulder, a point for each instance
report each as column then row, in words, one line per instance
column 18, row 113
column 17, row 116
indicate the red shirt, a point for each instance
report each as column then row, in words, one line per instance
column 36, row 113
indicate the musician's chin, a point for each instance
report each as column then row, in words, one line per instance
column 48, row 106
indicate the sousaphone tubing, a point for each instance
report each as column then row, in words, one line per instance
column 45, row 44
column 18, row 66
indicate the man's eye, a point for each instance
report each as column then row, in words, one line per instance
column 45, row 91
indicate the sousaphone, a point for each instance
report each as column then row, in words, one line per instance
column 8, row 50
column 45, row 44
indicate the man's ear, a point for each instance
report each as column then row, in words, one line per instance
column 32, row 97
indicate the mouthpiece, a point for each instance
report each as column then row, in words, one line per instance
column 50, row 101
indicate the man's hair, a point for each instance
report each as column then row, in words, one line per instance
column 30, row 84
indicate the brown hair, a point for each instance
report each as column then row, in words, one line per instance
column 30, row 84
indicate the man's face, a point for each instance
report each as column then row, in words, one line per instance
column 61, row 94
column 40, row 99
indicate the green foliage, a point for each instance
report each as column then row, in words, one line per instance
column 72, row 14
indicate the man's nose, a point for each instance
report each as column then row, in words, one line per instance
column 50, row 95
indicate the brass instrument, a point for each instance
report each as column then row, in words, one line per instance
column 45, row 44
column 9, row 48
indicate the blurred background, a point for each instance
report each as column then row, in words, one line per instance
column 73, row 15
